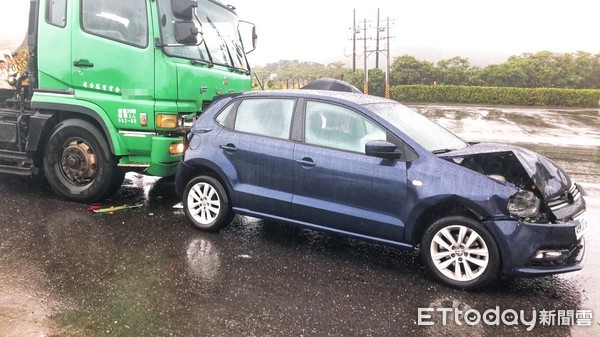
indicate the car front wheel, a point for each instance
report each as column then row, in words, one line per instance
column 460, row 252
column 206, row 204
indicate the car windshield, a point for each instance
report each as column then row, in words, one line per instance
column 425, row 132
column 219, row 30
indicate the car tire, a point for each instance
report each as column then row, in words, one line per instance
column 206, row 204
column 460, row 253
column 78, row 163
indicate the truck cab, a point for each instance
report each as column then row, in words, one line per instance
column 109, row 84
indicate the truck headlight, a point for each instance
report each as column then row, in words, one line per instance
column 524, row 204
column 165, row 121
column 177, row 148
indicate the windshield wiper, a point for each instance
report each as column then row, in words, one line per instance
column 204, row 62
column 210, row 61
column 212, row 24
column 440, row 151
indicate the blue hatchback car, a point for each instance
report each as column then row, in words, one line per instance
column 374, row 169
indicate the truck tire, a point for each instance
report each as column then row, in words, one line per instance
column 78, row 163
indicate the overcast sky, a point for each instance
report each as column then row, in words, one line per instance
column 318, row 30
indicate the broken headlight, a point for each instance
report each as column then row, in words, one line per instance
column 524, row 204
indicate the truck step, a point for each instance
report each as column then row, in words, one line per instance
column 22, row 171
column 13, row 155
column 20, row 168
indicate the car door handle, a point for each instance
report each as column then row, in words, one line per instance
column 306, row 162
column 229, row 148
column 83, row 63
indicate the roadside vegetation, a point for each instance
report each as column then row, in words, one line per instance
column 542, row 79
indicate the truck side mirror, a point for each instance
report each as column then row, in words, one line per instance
column 184, row 9
column 254, row 38
column 186, row 33
column 248, row 34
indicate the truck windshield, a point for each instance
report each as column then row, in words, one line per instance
column 219, row 27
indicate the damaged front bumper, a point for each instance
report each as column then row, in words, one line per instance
column 531, row 249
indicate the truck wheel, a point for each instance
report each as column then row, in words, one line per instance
column 78, row 163
column 206, row 204
column 460, row 252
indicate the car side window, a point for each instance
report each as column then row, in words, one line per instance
column 271, row 117
column 338, row 127
column 223, row 115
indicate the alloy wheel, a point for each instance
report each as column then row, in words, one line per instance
column 459, row 253
column 203, row 203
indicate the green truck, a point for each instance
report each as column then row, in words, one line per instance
column 90, row 89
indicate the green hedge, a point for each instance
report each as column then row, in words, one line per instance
column 589, row 98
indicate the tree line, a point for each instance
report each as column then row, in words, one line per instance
column 580, row 70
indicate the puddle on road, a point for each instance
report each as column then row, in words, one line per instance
column 561, row 127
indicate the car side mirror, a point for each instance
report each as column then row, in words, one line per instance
column 382, row 149
column 186, row 33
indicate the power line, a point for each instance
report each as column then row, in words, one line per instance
column 356, row 30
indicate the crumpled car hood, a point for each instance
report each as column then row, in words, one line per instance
column 549, row 178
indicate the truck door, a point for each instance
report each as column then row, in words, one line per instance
column 113, row 59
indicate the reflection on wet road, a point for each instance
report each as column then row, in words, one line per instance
column 147, row 272
column 562, row 127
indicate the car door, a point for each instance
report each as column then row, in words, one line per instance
column 337, row 185
column 257, row 148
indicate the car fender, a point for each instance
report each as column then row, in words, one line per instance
column 201, row 166
column 438, row 188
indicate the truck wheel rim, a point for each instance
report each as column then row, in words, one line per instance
column 204, row 203
column 459, row 253
column 78, row 162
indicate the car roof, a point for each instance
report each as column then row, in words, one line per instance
column 339, row 96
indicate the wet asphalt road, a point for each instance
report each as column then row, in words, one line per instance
column 147, row 272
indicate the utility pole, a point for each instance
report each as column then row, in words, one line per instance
column 354, row 42
column 377, row 43
column 387, row 71
column 356, row 30
column 366, row 87
column 368, row 50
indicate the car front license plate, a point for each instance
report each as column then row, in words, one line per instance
column 581, row 227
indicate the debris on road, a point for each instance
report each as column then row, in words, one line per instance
column 93, row 207
column 113, row 208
